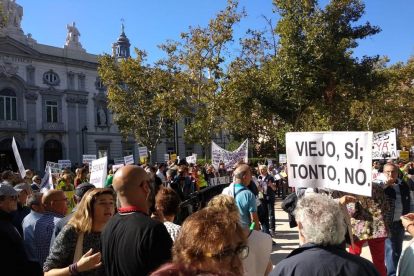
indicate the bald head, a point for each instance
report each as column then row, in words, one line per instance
column 55, row 201
column 242, row 175
column 130, row 184
column 52, row 195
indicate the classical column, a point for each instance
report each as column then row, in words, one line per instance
column 73, row 145
column 31, row 99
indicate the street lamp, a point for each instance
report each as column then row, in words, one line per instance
column 84, row 129
column 275, row 123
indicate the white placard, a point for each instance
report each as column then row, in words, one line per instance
column 166, row 157
column 119, row 160
column 98, row 172
column 88, row 158
column 282, row 158
column 129, row 160
column 44, row 185
column 143, row 152
column 270, row 162
column 191, row 159
column 65, row 163
column 219, row 180
column 18, row 159
column 229, row 158
column 117, row 166
column 333, row 160
column 385, row 143
column 54, row 167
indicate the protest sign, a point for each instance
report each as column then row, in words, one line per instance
column 53, row 177
column 69, row 195
column 98, row 172
column 270, row 162
column 219, row 180
column 18, row 159
column 129, row 160
column 54, row 167
column 166, row 157
column 191, row 159
column 333, row 160
column 173, row 157
column 385, row 145
column 119, row 160
column 65, row 163
column 143, row 152
column 404, row 155
column 87, row 159
column 44, row 185
column 229, row 158
column 117, row 166
column 282, row 158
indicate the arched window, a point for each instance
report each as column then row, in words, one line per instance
column 8, row 104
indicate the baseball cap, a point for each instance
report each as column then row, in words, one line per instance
column 8, row 190
column 81, row 189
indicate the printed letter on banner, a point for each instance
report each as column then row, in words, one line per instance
column 385, row 145
column 331, row 160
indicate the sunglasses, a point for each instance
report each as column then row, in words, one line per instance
column 15, row 197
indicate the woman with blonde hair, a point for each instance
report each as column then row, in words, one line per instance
column 76, row 248
column 66, row 183
column 260, row 244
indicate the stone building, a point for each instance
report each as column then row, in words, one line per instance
column 54, row 105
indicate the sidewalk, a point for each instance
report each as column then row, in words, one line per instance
column 287, row 238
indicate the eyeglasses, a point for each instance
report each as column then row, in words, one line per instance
column 228, row 256
column 67, row 200
column 15, row 197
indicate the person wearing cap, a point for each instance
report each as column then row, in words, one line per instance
column 36, row 180
column 34, row 202
column 22, row 210
column 80, row 191
column 12, row 253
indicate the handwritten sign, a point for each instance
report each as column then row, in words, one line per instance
column 385, row 145
column 119, row 160
column 282, row 158
column 143, row 152
column 129, row 160
column 191, row 159
column 404, row 155
column 18, row 159
column 98, row 172
column 166, row 157
column 334, row 160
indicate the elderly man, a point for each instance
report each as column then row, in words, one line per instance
column 8, row 177
column 34, row 202
column 22, row 211
column 36, row 180
column 12, row 253
column 133, row 243
column 321, row 230
column 56, row 205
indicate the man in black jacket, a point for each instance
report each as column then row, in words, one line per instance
column 321, row 230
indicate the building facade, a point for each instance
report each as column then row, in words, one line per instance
column 54, row 105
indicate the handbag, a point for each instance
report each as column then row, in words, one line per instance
column 78, row 248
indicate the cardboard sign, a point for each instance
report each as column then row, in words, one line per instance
column 229, row 158
column 191, row 159
column 166, row 157
column 282, row 158
column 65, row 163
column 173, row 157
column 143, row 152
column 88, row 158
column 333, row 160
column 18, row 159
column 119, row 160
column 129, row 160
column 219, row 181
column 98, row 172
column 384, row 145
column 404, row 155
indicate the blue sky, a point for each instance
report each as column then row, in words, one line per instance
column 149, row 23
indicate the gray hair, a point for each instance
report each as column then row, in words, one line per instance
column 393, row 165
column 241, row 171
column 34, row 199
column 23, row 186
column 321, row 218
column 262, row 167
column 171, row 172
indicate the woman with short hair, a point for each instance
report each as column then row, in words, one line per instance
column 76, row 248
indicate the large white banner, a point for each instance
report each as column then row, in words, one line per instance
column 98, row 172
column 385, row 145
column 229, row 158
column 332, row 160
column 18, row 159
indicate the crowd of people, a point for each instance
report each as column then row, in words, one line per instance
column 161, row 220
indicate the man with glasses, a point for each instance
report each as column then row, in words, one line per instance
column 397, row 193
column 12, row 252
column 56, row 206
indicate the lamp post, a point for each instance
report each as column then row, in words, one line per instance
column 84, row 129
column 275, row 123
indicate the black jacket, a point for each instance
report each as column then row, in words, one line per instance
column 391, row 196
column 321, row 260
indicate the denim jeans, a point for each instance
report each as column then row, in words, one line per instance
column 263, row 217
column 393, row 247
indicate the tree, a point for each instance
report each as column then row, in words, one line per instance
column 136, row 94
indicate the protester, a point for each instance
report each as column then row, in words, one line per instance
column 160, row 172
column 172, row 269
column 22, row 210
column 168, row 203
column 268, row 187
column 36, row 180
column 12, row 252
column 66, row 183
column 8, row 178
column 258, row 262
column 321, row 230
column 80, row 191
column 222, row 170
column 81, row 176
column 34, row 202
column 81, row 236
column 56, row 205
column 210, row 241
column 131, row 234
column 406, row 262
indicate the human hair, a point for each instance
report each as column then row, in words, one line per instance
column 24, row 186
column 225, row 203
column 67, row 178
column 203, row 231
column 171, row 172
column 34, row 199
column 390, row 164
column 172, row 269
column 82, row 218
column 321, row 218
column 262, row 167
column 241, row 171
column 80, row 172
column 168, row 202
column 183, row 168
column 6, row 174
